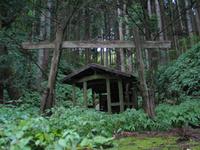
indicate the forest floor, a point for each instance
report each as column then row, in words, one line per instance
column 176, row 139
column 24, row 128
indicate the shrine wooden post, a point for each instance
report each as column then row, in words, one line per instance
column 108, row 95
column 85, row 93
column 121, row 96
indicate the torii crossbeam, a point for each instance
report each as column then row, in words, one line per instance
column 98, row 44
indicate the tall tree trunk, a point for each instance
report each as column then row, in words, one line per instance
column 148, row 99
column 147, row 14
column 160, row 26
column 149, row 35
column 87, row 35
column 149, row 8
column 182, row 25
column 101, row 56
column 121, row 37
column 173, row 27
column 48, row 33
column 102, row 50
column 2, row 51
column 41, row 51
column 77, row 37
column 160, row 30
column 45, row 33
column 107, row 31
column 129, row 51
column 1, row 93
column 180, row 16
column 33, row 26
column 189, row 20
column 197, row 19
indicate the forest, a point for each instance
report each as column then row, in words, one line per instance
column 99, row 74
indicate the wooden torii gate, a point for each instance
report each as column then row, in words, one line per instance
column 48, row 97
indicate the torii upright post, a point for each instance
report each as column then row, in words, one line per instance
column 48, row 97
column 148, row 101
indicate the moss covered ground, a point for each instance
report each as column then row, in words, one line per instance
column 154, row 143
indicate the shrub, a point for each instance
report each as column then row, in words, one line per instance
column 182, row 77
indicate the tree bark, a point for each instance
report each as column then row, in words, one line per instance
column 45, row 33
column 148, row 100
column 180, row 16
column 129, row 51
column 189, row 19
column 148, row 33
column 48, row 33
column 149, row 8
column 197, row 19
column 121, row 37
column 1, row 93
column 87, row 35
column 41, row 51
column 107, row 31
column 102, row 50
column 173, row 27
column 148, row 16
column 160, row 28
column 1, row 52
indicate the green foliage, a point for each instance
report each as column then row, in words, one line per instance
column 30, row 99
column 83, row 128
column 16, row 66
column 185, row 42
column 136, row 14
column 10, row 9
column 16, row 24
column 64, row 94
column 153, row 23
column 178, row 115
column 137, row 17
column 182, row 77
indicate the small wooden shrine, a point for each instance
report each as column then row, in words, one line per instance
column 116, row 90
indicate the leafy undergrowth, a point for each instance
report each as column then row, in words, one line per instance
column 182, row 77
column 152, row 143
column 82, row 128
